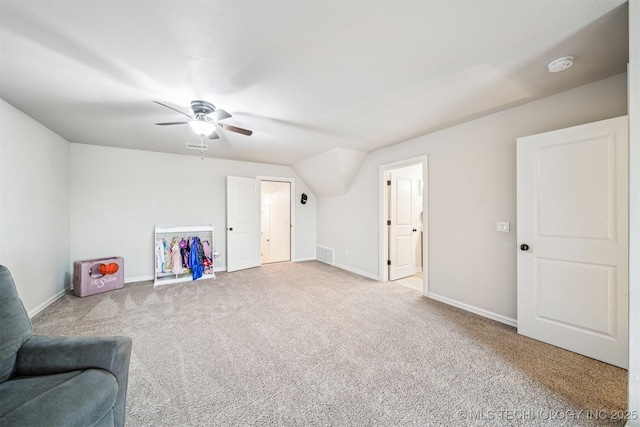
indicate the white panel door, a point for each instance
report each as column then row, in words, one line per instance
column 573, row 220
column 243, row 223
column 402, row 230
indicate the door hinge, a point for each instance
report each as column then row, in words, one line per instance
column 388, row 262
column 388, row 182
column 388, row 222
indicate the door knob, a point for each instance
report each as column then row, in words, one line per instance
column 230, row 228
column 524, row 247
column 415, row 229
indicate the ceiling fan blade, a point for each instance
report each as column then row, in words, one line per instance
column 219, row 115
column 171, row 108
column 235, row 129
column 214, row 135
column 171, row 123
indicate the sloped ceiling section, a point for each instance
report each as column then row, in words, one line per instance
column 306, row 77
column 330, row 173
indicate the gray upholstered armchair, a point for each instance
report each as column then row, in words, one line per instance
column 57, row 381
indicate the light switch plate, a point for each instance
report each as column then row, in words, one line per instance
column 503, row 227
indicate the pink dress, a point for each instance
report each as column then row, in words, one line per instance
column 169, row 265
column 176, row 258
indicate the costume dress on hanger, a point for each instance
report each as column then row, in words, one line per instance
column 196, row 254
column 176, row 258
column 161, row 249
column 169, row 266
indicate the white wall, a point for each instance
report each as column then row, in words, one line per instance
column 34, row 208
column 472, row 185
column 634, row 210
column 119, row 195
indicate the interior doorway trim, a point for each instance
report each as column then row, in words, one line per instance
column 292, row 202
column 383, row 243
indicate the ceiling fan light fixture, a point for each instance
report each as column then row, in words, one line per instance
column 202, row 128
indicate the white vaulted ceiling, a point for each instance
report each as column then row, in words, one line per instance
column 307, row 77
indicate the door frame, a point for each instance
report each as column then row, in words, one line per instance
column 383, row 236
column 292, row 203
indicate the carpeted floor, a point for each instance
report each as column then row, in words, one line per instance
column 309, row 344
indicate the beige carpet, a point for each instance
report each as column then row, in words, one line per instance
column 308, row 344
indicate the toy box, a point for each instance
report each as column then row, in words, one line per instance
column 97, row 275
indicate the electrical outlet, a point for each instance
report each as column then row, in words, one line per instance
column 503, row 227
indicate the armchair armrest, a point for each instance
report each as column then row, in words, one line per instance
column 44, row 355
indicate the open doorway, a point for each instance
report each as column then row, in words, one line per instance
column 275, row 208
column 404, row 225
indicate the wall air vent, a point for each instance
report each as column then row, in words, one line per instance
column 199, row 147
column 324, row 254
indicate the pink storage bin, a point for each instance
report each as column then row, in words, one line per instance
column 97, row 275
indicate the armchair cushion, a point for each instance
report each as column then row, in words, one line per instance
column 77, row 398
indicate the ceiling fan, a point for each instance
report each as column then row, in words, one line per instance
column 205, row 119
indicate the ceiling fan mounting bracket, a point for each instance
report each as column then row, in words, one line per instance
column 202, row 108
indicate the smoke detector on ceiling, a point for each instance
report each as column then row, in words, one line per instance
column 560, row 64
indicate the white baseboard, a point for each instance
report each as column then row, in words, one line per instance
column 48, row 302
column 480, row 311
column 359, row 272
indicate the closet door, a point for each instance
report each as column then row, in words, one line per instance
column 243, row 223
